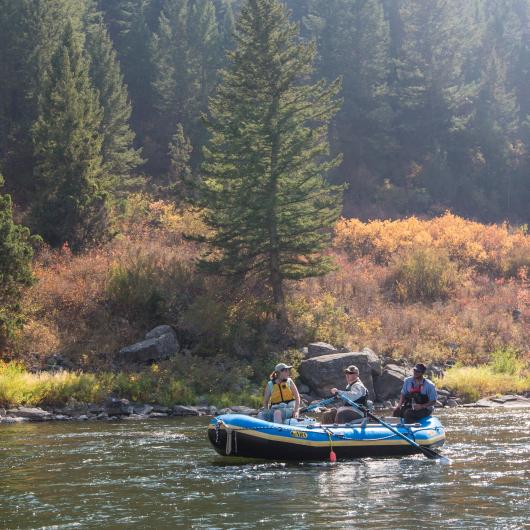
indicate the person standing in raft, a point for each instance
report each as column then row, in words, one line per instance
column 418, row 396
column 356, row 391
column 281, row 399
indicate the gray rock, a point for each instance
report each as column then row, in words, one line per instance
column 32, row 413
column 388, row 385
column 162, row 409
column 61, row 417
column 303, row 388
column 158, row 415
column 226, row 410
column 183, row 410
column 143, row 409
column 136, row 417
column 239, row 409
column 387, row 404
column 156, row 347
column 327, row 371
column 2, row 411
column 13, row 419
column 118, row 407
column 443, row 392
column 498, row 401
column 83, row 417
column 452, row 403
column 315, row 349
column 102, row 416
column 95, row 409
column 159, row 331
column 73, row 409
column 434, row 370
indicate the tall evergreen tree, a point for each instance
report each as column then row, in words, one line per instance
column 16, row 253
column 120, row 158
column 68, row 142
column 186, row 49
column 268, row 205
column 181, row 184
column 353, row 42
column 30, row 33
column 129, row 27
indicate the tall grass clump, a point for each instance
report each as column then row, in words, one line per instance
column 423, row 275
column 507, row 361
column 506, row 373
column 20, row 387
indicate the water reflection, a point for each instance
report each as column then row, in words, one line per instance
column 164, row 475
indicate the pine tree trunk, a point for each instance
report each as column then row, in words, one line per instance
column 275, row 274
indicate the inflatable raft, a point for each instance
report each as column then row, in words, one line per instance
column 246, row 436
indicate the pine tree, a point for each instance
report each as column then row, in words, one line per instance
column 16, row 253
column 30, row 33
column 186, row 57
column 353, row 41
column 67, row 135
column 120, row 158
column 268, row 205
column 431, row 93
column 181, row 184
column 131, row 34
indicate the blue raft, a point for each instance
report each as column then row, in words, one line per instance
column 246, row 436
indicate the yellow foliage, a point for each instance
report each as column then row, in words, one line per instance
column 495, row 249
column 473, row 382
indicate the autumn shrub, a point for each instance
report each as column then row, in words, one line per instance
column 423, row 275
column 134, row 289
column 320, row 318
column 497, row 250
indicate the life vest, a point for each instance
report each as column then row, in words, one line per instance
column 363, row 400
column 416, row 394
column 281, row 392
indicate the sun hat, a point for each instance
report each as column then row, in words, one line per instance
column 281, row 366
column 420, row 367
column 352, row 369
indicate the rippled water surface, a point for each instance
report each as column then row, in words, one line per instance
column 163, row 474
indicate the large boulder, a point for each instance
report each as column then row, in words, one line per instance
column 327, row 371
column 118, row 407
column 160, row 343
column 388, row 385
column 316, row 349
column 31, row 413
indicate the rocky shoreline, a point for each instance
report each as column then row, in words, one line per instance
column 321, row 369
column 114, row 409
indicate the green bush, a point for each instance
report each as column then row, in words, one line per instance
column 423, row 275
column 507, row 361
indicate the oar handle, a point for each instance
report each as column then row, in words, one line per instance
column 325, row 401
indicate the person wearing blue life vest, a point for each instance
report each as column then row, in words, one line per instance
column 281, row 400
column 418, row 396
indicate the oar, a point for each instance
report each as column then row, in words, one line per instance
column 314, row 406
column 429, row 453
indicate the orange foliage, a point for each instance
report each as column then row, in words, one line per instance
column 493, row 249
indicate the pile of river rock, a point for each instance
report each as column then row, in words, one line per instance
column 320, row 370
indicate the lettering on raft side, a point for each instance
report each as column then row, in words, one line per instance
column 299, row 434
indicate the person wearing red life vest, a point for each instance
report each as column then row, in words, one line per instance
column 418, row 396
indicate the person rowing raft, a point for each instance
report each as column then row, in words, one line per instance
column 356, row 391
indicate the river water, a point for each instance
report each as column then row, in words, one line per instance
column 163, row 474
